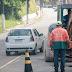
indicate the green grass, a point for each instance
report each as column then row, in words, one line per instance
column 32, row 8
column 11, row 23
column 1, row 30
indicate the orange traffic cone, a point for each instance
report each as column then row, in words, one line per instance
column 28, row 67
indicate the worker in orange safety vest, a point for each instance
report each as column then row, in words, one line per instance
column 59, row 40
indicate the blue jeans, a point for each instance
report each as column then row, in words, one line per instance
column 62, row 53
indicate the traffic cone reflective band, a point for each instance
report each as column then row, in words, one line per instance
column 28, row 67
column 27, row 59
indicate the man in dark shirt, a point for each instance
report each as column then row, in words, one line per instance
column 66, row 19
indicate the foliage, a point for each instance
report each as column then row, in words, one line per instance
column 14, row 10
column 12, row 7
column 32, row 8
column 1, row 30
column 11, row 23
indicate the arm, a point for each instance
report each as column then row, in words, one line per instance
column 67, row 39
column 70, row 18
column 64, row 20
column 51, row 40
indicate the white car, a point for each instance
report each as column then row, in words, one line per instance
column 54, row 7
column 24, row 39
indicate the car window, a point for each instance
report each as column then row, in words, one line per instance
column 20, row 32
column 36, row 32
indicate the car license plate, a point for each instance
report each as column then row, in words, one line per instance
column 18, row 40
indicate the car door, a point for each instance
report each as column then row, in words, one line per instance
column 41, row 38
column 37, row 38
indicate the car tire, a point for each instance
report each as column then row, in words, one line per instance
column 35, row 50
column 42, row 47
column 49, row 56
column 7, row 53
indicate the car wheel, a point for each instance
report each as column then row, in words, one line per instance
column 49, row 56
column 7, row 53
column 46, row 59
column 42, row 47
column 35, row 50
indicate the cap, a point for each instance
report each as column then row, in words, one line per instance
column 58, row 23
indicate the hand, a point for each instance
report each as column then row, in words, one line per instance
column 51, row 47
column 69, row 47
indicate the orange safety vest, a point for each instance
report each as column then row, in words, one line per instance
column 59, row 37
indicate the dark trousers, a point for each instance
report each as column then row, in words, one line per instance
column 62, row 53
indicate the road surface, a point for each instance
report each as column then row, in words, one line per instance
column 16, row 62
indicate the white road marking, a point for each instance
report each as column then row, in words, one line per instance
column 10, row 62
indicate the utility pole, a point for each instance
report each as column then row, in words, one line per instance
column 27, row 9
column 41, row 5
column 2, row 12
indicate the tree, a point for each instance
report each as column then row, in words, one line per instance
column 12, row 7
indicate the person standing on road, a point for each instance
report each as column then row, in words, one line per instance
column 59, row 40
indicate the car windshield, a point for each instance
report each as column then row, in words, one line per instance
column 20, row 32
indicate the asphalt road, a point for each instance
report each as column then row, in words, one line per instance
column 16, row 62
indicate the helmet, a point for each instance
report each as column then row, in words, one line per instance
column 58, row 23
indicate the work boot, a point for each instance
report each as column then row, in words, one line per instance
column 62, row 70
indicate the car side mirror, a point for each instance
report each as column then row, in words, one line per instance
column 41, row 34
